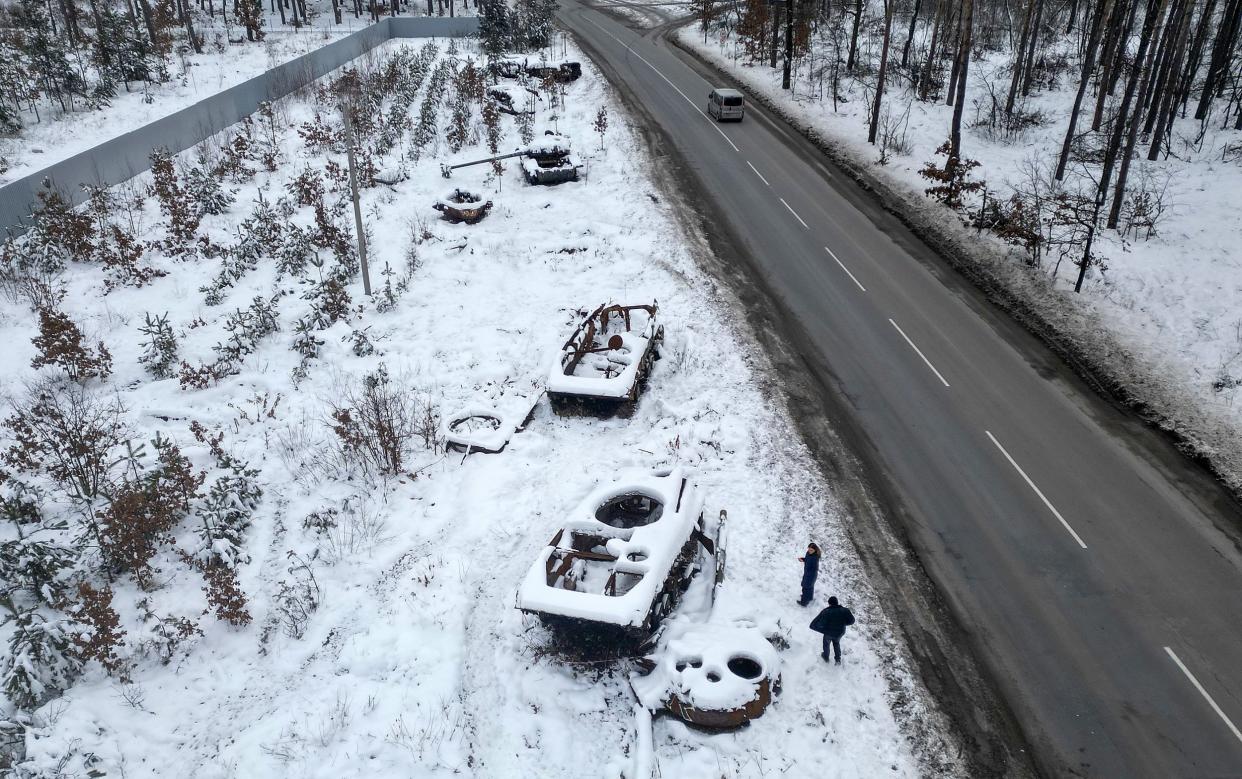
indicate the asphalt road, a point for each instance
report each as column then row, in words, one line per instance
column 1098, row 573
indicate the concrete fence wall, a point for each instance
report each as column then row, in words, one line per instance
column 125, row 156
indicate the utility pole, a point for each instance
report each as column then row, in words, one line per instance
column 353, row 191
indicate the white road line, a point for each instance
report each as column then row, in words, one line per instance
column 917, row 350
column 1047, row 502
column 795, row 213
column 1228, row 722
column 757, row 173
column 851, row 275
column 670, row 83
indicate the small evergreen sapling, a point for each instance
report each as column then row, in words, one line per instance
column 159, row 348
column 42, row 660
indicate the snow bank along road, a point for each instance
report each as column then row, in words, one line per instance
column 1097, row 573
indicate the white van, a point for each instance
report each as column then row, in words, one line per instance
column 725, row 104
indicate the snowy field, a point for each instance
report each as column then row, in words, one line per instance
column 383, row 638
column 1163, row 317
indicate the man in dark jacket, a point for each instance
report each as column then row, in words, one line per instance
column 810, row 569
column 832, row 622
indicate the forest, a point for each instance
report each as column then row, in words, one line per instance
column 1134, row 69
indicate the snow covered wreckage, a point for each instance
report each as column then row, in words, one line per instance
column 517, row 67
column 714, row 676
column 549, row 161
column 607, row 359
column 622, row 559
column 463, row 206
column 546, row 161
column 488, row 428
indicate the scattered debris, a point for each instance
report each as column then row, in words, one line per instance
column 714, row 676
column 463, row 206
column 607, row 359
column 621, row 561
column 488, row 429
column 549, row 161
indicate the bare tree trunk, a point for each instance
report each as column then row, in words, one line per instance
column 925, row 78
column 1086, row 252
column 1167, row 108
column 951, row 91
column 1114, row 213
column 775, row 34
column 1222, row 53
column 1019, row 57
column 858, row 12
column 1168, row 57
column 1029, row 76
column 963, row 55
column 1196, row 53
column 905, row 50
column 148, row 18
column 184, row 8
column 1114, row 53
column 1088, row 68
column 69, row 12
column 879, row 87
column 1155, row 9
column 789, row 36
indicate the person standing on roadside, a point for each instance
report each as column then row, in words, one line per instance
column 810, row 570
column 832, row 622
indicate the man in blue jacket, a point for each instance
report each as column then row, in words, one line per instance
column 832, row 622
column 810, row 569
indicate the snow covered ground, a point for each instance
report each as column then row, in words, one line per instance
column 195, row 77
column 415, row 661
column 1163, row 319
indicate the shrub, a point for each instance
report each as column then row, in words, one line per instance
column 101, row 634
column 166, row 635
column 298, row 599
column 296, row 250
column 144, row 510
column 60, row 233
column 68, row 434
column 224, row 594
column 60, row 344
column 176, row 204
column 951, row 182
column 115, row 248
column 377, row 421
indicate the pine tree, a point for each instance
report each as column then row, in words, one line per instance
column 47, row 53
column 159, row 349
column 495, row 26
column 41, row 661
column 32, row 563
